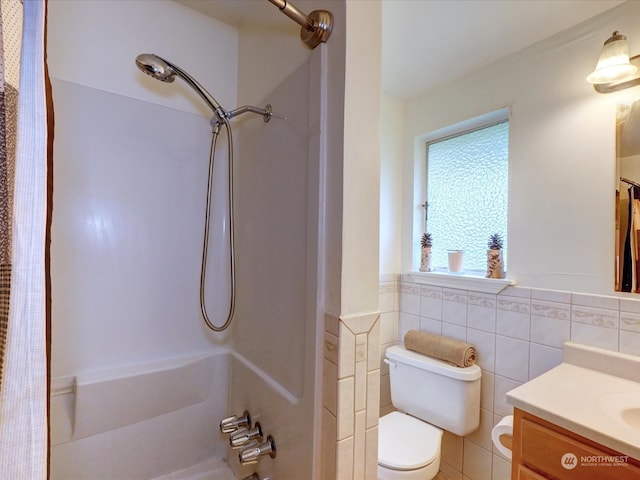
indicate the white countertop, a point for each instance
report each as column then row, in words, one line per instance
column 587, row 401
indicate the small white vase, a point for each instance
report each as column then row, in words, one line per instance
column 456, row 261
column 495, row 264
column 426, row 260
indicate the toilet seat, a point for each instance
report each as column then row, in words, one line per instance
column 407, row 443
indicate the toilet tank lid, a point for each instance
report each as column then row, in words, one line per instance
column 399, row 354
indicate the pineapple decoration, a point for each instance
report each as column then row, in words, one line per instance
column 425, row 253
column 495, row 262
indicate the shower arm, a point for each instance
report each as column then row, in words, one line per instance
column 265, row 112
column 316, row 27
column 220, row 112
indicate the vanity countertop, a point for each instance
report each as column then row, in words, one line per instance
column 594, row 393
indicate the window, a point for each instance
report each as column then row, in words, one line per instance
column 467, row 194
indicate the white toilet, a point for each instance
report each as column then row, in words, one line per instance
column 430, row 395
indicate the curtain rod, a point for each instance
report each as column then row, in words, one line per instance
column 630, row 182
column 316, row 27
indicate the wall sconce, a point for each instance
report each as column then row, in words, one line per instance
column 615, row 70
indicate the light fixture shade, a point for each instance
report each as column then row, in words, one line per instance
column 613, row 64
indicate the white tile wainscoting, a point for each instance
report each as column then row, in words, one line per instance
column 351, row 381
column 518, row 334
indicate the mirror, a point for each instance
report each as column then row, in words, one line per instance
column 627, row 253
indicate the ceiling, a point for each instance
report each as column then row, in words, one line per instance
column 426, row 43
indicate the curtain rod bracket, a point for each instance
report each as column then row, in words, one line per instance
column 316, row 27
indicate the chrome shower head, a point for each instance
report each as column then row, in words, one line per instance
column 165, row 71
column 155, row 67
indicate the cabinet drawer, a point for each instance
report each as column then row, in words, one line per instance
column 565, row 458
column 526, row 474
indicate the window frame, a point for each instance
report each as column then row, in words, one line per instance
column 420, row 172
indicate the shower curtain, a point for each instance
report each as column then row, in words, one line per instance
column 23, row 225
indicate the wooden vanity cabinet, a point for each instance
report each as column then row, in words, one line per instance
column 543, row 451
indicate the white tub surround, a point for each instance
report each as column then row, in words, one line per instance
column 114, row 398
column 593, row 393
column 118, row 410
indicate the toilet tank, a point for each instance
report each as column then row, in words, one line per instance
column 435, row 391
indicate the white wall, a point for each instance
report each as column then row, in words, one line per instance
column 361, row 169
column 562, row 153
column 391, row 157
column 101, row 39
column 130, row 165
column 267, row 56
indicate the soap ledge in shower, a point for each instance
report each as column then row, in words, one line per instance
column 114, row 398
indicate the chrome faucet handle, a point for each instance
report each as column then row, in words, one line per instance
column 234, row 423
column 244, row 436
column 252, row 453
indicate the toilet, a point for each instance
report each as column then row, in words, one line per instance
column 429, row 396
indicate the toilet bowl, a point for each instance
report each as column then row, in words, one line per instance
column 408, row 448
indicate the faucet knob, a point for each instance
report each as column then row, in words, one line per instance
column 233, row 423
column 252, row 453
column 244, row 436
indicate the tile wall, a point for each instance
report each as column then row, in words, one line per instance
column 518, row 335
column 351, row 386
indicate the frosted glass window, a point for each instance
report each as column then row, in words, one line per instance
column 467, row 194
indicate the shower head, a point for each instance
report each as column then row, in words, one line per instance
column 155, row 67
column 165, row 71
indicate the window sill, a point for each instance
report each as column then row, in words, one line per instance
column 465, row 282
